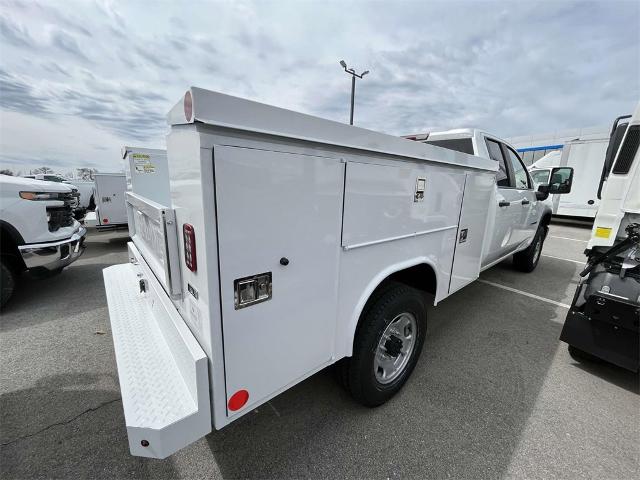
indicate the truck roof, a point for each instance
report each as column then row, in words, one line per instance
column 455, row 133
column 226, row 111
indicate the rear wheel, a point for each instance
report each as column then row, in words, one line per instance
column 387, row 345
column 7, row 283
column 527, row 260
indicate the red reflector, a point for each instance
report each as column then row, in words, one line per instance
column 189, row 235
column 105, row 220
column 188, row 106
column 238, row 400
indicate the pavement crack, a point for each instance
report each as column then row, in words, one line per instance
column 57, row 424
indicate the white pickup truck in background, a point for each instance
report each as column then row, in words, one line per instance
column 307, row 242
column 37, row 227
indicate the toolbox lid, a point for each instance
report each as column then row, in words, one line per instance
column 218, row 109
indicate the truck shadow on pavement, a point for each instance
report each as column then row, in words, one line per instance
column 460, row 415
column 69, row 426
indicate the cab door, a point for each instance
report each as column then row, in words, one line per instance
column 526, row 223
column 505, row 216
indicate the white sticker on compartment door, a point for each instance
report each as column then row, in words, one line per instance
column 142, row 163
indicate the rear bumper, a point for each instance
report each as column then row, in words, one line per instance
column 54, row 255
column 162, row 369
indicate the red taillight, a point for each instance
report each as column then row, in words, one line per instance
column 188, row 106
column 105, row 220
column 189, row 235
column 238, row 400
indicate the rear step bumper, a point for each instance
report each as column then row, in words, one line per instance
column 162, row 369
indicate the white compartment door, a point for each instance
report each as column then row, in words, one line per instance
column 279, row 214
column 111, row 199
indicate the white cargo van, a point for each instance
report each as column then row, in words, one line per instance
column 292, row 243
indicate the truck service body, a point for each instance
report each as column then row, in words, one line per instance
column 109, row 196
column 288, row 236
column 603, row 321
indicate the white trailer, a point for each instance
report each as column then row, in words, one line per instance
column 586, row 157
column 147, row 173
column 109, row 196
column 292, row 243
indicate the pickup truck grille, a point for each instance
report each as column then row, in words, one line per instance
column 62, row 216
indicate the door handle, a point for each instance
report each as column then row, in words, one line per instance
column 525, row 201
column 503, row 203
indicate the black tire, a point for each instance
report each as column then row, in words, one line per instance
column 7, row 283
column 581, row 356
column 357, row 373
column 527, row 260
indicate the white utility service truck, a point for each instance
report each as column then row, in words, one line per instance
column 604, row 315
column 147, row 173
column 292, row 243
column 109, row 197
column 586, row 157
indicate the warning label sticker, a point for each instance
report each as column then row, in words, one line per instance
column 142, row 163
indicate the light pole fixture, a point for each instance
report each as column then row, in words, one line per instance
column 353, row 74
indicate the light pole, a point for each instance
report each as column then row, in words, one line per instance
column 353, row 74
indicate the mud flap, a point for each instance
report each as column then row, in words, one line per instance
column 606, row 328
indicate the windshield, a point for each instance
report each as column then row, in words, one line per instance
column 464, row 145
column 540, row 176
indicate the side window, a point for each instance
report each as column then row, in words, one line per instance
column 519, row 172
column 495, row 153
column 540, row 176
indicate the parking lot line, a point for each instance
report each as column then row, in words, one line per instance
column 582, row 263
column 526, row 294
column 569, row 238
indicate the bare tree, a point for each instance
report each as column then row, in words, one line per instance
column 86, row 173
column 42, row 170
column 6, row 171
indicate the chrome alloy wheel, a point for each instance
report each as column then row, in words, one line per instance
column 395, row 348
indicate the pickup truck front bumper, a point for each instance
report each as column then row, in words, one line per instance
column 54, row 255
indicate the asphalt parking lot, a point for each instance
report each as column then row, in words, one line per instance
column 495, row 393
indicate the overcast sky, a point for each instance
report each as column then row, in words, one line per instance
column 80, row 79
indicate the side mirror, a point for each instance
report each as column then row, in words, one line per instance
column 561, row 180
column 543, row 192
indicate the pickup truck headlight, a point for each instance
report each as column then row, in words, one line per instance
column 40, row 195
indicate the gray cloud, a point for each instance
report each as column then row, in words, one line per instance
column 18, row 96
column 67, row 43
column 15, row 34
column 509, row 67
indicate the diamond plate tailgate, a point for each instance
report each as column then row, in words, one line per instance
column 162, row 369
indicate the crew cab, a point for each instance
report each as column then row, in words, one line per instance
column 37, row 228
column 519, row 219
column 292, row 243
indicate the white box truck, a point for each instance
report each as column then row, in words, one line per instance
column 586, row 157
column 603, row 321
column 292, row 243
